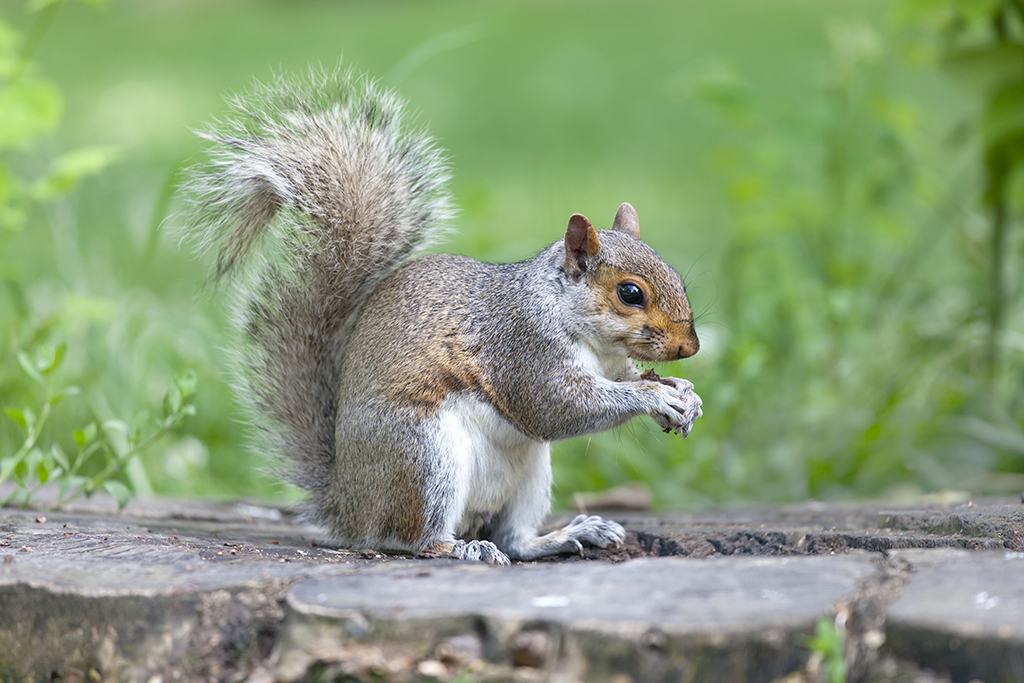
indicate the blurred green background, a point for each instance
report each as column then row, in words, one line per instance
column 837, row 180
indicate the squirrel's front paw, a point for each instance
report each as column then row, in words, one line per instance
column 481, row 551
column 681, row 405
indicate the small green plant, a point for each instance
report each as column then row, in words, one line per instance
column 828, row 650
column 30, row 459
column 111, row 443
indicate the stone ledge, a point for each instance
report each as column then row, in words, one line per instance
column 201, row 591
column 596, row 620
column 962, row 613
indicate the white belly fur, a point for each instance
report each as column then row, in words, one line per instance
column 491, row 458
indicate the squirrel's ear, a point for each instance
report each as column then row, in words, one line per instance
column 626, row 220
column 581, row 245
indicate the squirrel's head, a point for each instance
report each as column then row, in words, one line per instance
column 633, row 298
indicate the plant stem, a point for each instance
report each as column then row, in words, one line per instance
column 37, row 429
column 35, row 36
column 113, row 466
column 997, row 262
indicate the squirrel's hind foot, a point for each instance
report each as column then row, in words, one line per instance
column 593, row 530
column 482, row 551
column 596, row 531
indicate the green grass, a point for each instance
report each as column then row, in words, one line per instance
column 794, row 175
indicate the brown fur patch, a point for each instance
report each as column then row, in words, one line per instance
column 446, row 367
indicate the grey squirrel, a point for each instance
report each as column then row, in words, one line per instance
column 415, row 398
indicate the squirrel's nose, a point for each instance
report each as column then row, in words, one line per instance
column 688, row 348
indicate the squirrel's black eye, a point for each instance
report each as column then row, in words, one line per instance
column 631, row 294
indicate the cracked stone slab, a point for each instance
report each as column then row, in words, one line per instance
column 110, row 556
column 962, row 613
column 195, row 590
column 128, row 595
column 725, row 620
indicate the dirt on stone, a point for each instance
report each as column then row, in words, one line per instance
column 835, row 530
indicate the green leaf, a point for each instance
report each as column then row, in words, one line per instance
column 27, row 110
column 58, row 456
column 70, row 482
column 68, row 170
column 43, row 472
column 30, row 367
column 186, row 382
column 116, row 433
column 172, row 402
column 119, row 491
column 35, row 456
column 30, row 418
column 19, row 417
column 59, row 354
column 7, row 466
column 67, row 391
column 115, row 425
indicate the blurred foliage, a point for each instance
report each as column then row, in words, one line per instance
column 31, row 107
column 854, row 359
column 982, row 45
column 832, row 196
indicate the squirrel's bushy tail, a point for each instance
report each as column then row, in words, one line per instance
column 314, row 192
